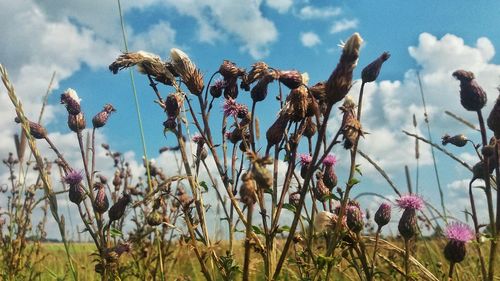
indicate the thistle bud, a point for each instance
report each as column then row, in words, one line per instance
column 371, row 71
column 37, row 131
column 294, row 198
column 231, row 89
column 170, row 124
column 76, row 122
column 329, row 177
column 229, row 69
column 339, row 83
column 408, row 224
column 472, row 96
column 173, row 104
column 101, row 203
column 118, row 209
column 248, row 190
column 276, row 132
column 76, row 193
column 458, row 140
column 259, row 91
column 305, row 161
column 383, row 215
column 154, row 218
column 71, row 100
column 102, row 117
column 354, row 218
column 292, row 79
column 217, row 88
column 493, row 120
column 321, row 192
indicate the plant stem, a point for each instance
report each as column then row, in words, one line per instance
column 246, row 264
column 450, row 272
column 407, row 259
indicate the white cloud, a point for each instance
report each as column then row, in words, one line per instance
column 243, row 20
column 343, row 25
column 309, row 39
column 312, row 13
column 158, row 39
column 282, row 6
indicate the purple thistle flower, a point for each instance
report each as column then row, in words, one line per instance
column 197, row 138
column 330, row 160
column 73, row 178
column 305, row 159
column 231, row 107
column 220, row 84
column 410, row 201
column 459, row 232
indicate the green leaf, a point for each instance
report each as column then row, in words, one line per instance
column 330, row 196
column 284, row 228
column 204, row 185
column 115, row 232
column 353, row 182
column 257, row 230
column 290, row 207
column 358, row 169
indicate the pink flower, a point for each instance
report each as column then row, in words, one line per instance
column 232, row 108
column 305, row 159
column 73, row 178
column 330, row 160
column 197, row 138
column 410, row 201
column 458, row 231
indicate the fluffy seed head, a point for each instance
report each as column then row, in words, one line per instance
column 410, row 201
column 71, row 100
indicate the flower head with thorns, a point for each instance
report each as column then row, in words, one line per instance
column 305, row 159
column 198, row 139
column 73, row 178
column 330, row 160
column 232, row 108
column 410, row 201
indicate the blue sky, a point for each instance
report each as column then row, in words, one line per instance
column 79, row 39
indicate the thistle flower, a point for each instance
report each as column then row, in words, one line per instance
column 351, row 128
column 297, row 104
column 173, row 104
column 229, row 70
column 217, row 87
column 198, row 139
column 493, row 120
column 310, row 128
column 71, row 100
column 291, row 78
column 37, row 131
column 101, row 203
column 354, row 218
column 276, row 132
column 73, row 178
column 76, row 123
column 231, row 89
column 329, row 177
column 472, row 96
column 232, row 108
column 408, row 223
column 118, row 209
column 76, row 193
column 248, row 190
column 101, row 118
column 458, row 140
column 371, row 71
column 305, row 161
column 458, row 235
column 321, row 192
column 339, row 83
column 147, row 63
column 383, row 215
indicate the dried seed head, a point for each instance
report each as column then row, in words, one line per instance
column 76, row 123
column 101, row 118
column 259, row 91
column 276, row 132
column 297, row 104
column 118, row 209
column 339, row 83
column 76, row 193
column 323, row 221
column 229, row 70
column 231, row 89
column 383, row 214
column 351, row 128
column 493, row 120
column 458, row 140
column 147, row 63
column 170, row 124
column 371, row 71
column 154, row 218
column 190, row 75
column 101, row 203
column 354, row 218
column 472, row 96
column 408, row 224
column 37, row 131
column 291, row 78
column 257, row 71
column 248, row 190
column 310, row 128
column 71, row 100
